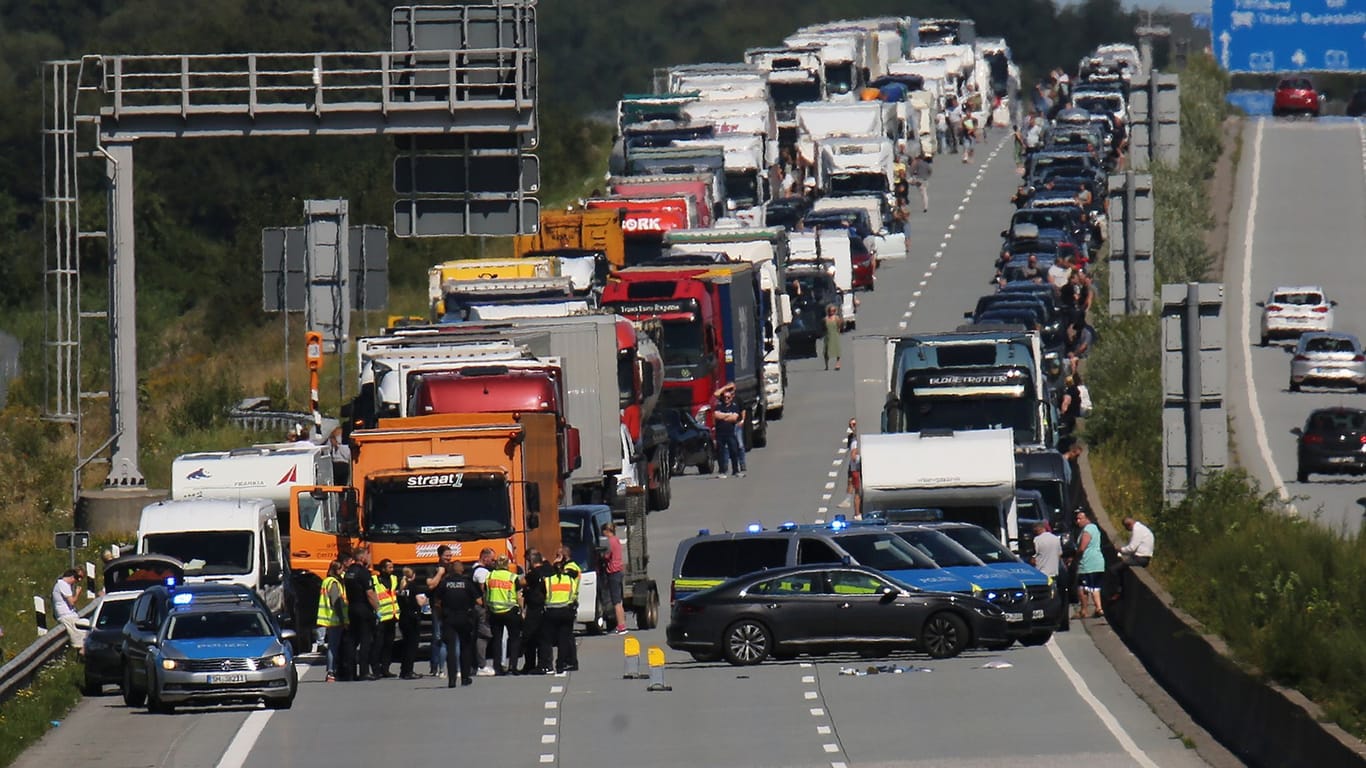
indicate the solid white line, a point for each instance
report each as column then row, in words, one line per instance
column 1107, row 718
column 1258, row 425
column 236, row 754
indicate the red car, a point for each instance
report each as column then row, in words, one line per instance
column 1295, row 96
column 863, row 264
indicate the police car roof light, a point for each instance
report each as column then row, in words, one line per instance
column 754, row 528
column 788, row 526
column 703, row 531
column 183, row 598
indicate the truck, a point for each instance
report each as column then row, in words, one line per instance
column 820, row 121
column 265, row 471
column 844, row 57
column 654, row 133
column 492, row 300
column 644, row 220
column 795, row 76
column 746, row 170
column 966, row 476
column 828, row 250
column 856, row 165
column 766, row 249
column 710, row 334
column 581, row 530
column 977, row 377
column 701, row 176
column 584, row 230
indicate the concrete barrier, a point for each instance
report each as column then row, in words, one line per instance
column 1262, row 723
column 114, row 511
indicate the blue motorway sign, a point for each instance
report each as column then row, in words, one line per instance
column 1289, row 35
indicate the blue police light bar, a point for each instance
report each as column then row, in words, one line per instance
column 788, row 526
column 184, row 598
column 170, row 581
column 703, row 531
column 839, row 525
column 754, row 528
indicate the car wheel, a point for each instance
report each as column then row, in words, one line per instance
column 747, row 642
column 1265, row 340
column 944, row 635
column 131, row 695
column 154, row 703
column 1361, row 388
column 1034, row 640
column 284, row 703
column 1302, row 475
column 1001, row 646
column 706, row 657
column 1294, row 387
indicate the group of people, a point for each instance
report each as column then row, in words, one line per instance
column 487, row 620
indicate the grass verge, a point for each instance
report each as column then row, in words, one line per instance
column 31, row 713
column 1286, row 594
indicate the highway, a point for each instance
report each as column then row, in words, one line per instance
column 1300, row 219
column 1059, row 704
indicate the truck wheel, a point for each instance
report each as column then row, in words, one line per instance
column 775, row 414
column 662, row 493
column 647, row 617
column 760, row 437
column 708, row 464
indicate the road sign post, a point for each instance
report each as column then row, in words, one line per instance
column 71, row 541
column 1194, row 424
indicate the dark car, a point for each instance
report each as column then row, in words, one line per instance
column 786, row 212
column 1295, row 96
column 853, row 219
column 124, row 579
column 811, row 289
column 1332, row 442
column 1356, row 106
column 805, row 609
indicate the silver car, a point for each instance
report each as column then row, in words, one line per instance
column 1330, row 359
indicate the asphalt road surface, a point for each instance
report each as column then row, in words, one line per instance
column 1299, row 219
column 1059, row 704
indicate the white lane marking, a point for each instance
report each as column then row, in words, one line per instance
column 823, row 730
column 547, row 738
column 911, row 304
column 836, row 462
column 557, row 689
column 829, row 486
column 844, row 449
column 1106, row 717
column 236, row 754
column 817, row 712
column 550, row 721
column 938, row 255
column 947, row 236
column 922, row 283
column 806, row 665
column 825, row 497
column 901, row 324
column 552, row 705
column 838, row 764
column 832, row 474
column 547, row 758
column 953, row 227
column 961, row 208
column 810, row 695
column 957, row 216
column 808, row 678
column 822, row 510
column 915, row 293
column 1258, row 425
column 831, row 748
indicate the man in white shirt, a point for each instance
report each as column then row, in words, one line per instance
column 1139, row 551
column 64, row 594
column 1048, row 559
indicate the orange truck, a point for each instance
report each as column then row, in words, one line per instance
column 469, row 480
column 593, row 230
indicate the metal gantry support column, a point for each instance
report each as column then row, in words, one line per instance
column 123, row 340
column 1194, row 423
column 1194, row 394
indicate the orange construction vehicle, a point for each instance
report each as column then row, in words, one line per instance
column 597, row 230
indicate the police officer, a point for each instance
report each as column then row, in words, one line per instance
column 363, row 610
column 459, row 596
column 332, row 616
column 409, row 621
column 533, row 596
column 561, row 607
column 386, row 585
column 502, row 593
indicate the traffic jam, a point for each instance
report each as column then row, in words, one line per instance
column 484, row 496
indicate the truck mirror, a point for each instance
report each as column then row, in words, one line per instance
column 533, row 521
column 575, row 457
column 349, row 522
column 532, row 498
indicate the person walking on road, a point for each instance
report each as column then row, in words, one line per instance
column 1048, row 559
column 502, row 597
column 386, row 588
column 613, row 570
column 922, row 167
column 561, row 606
column 459, row 595
column 1091, row 565
column 833, row 326
column 729, row 418
column 332, row 615
column 362, row 616
column 411, row 599
column 65, row 592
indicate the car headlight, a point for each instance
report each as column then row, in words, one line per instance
column 169, row 664
column 278, row 660
column 991, row 596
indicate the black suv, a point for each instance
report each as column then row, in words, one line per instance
column 150, row 611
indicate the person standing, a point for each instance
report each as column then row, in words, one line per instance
column 614, row 572
column 411, row 599
column 854, row 472
column 362, row 614
column 65, row 592
column 445, row 558
column 1090, row 566
column 332, row 614
column 729, row 418
column 483, row 632
column 341, row 457
column 502, row 597
column 561, row 607
column 922, row 167
column 386, row 588
column 459, row 596
column 533, row 595
column 833, row 326
column 1048, row 559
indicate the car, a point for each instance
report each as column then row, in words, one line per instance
column 1332, row 442
column 214, row 652
column 1332, row 359
column 125, row 578
column 1293, row 310
column 150, row 612
column 864, row 265
column 829, row 607
column 1295, row 95
column 786, row 212
column 1356, row 106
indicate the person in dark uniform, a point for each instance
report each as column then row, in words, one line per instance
column 409, row 622
column 459, row 596
column 561, row 607
column 533, row 595
column 363, row 609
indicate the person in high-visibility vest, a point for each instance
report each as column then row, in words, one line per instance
column 503, row 598
column 561, row 607
column 386, row 588
column 332, row 616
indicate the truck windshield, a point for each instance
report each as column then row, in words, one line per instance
column 464, row 510
column 786, row 96
column 682, row 347
column 941, row 549
column 839, row 78
column 205, row 553
column 951, row 412
column 743, row 188
column 884, row 552
column 986, row 547
column 845, row 184
column 1051, row 490
column 626, row 378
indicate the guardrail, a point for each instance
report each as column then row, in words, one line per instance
column 19, row 672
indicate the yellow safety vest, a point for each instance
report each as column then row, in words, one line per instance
column 561, row 590
column 572, row 571
column 388, row 601
column 326, row 616
column 501, row 595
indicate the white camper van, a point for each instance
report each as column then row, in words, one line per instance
column 260, row 471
